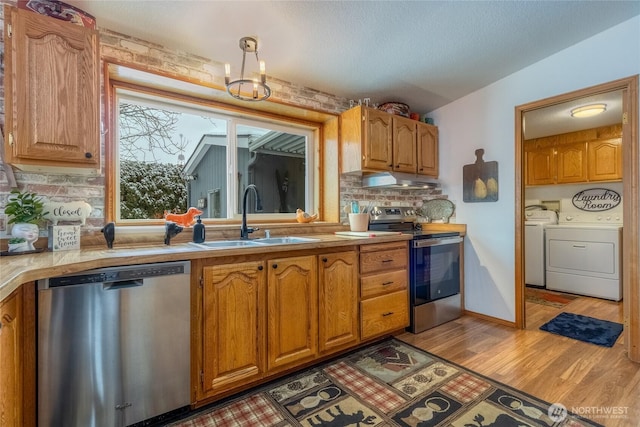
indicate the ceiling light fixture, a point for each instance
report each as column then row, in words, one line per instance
column 588, row 110
column 255, row 90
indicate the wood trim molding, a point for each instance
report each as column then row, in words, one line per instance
column 323, row 124
column 631, row 196
column 490, row 318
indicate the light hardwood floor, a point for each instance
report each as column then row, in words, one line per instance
column 581, row 376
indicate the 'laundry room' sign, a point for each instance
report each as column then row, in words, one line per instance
column 596, row 199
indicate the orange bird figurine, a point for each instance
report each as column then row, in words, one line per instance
column 185, row 219
column 302, row 216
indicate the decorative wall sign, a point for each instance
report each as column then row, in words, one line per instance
column 67, row 211
column 64, row 237
column 480, row 180
column 596, row 199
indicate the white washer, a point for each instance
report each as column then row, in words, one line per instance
column 584, row 254
column 535, row 223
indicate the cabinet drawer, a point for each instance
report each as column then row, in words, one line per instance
column 383, row 283
column 383, row 260
column 385, row 313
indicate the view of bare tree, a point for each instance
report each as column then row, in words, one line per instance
column 146, row 132
column 149, row 184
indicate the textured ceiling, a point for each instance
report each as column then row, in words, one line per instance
column 423, row 53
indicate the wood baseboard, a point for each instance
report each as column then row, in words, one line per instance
column 490, row 318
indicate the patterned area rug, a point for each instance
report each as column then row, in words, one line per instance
column 387, row 384
column 544, row 297
column 584, row 328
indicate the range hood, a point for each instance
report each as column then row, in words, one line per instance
column 398, row 180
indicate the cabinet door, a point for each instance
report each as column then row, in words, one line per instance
column 292, row 301
column 572, row 163
column 52, row 91
column 605, row 160
column 10, row 360
column 377, row 140
column 404, row 145
column 18, row 358
column 541, row 166
column 427, row 141
column 233, row 324
column 338, row 300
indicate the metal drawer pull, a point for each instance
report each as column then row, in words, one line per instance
column 387, row 314
column 387, row 260
column 580, row 246
column 387, row 283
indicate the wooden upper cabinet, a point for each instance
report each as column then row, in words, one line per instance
column 378, row 136
column 234, row 325
column 404, row 145
column 541, row 166
column 373, row 140
column 338, row 300
column 589, row 155
column 51, row 92
column 292, row 310
column 605, row 160
column 572, row 163
column 427, row 141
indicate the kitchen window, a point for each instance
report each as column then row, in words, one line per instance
column 171, row 154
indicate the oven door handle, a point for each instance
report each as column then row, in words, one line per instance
column 436, row 242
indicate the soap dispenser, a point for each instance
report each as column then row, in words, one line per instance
column 198, row 231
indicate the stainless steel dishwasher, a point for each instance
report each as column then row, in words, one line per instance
column 113, row 346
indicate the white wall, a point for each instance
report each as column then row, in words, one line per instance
column 485, row 119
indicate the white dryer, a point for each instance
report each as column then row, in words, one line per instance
column 584, row 254
column 535, row 222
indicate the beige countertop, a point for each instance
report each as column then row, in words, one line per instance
column 18, row 269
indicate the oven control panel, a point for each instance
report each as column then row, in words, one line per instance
column 393, row 214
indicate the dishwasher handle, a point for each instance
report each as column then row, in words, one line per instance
column 122, row 284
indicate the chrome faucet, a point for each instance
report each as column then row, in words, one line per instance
column 244, row 230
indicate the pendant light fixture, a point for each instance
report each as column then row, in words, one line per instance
column 248, row 89
column 588, row 110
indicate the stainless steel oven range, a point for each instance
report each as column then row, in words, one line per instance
column 434, row 268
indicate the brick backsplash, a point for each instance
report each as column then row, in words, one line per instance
column 351, row 190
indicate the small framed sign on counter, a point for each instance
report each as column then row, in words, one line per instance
column 64, row 237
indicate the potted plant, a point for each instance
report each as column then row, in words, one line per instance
column 25, row 211
column 18, row 244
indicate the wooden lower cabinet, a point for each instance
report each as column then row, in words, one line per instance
column 338, row 300
column 257, row 319
column 17, row 358
column 234, row 324
column 385, row 313
column 292, row 301
column 384, row 297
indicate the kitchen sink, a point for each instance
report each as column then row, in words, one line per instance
column 227, row 244
column 284, row 240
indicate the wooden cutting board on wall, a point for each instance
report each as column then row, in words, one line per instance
column 480, row 180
